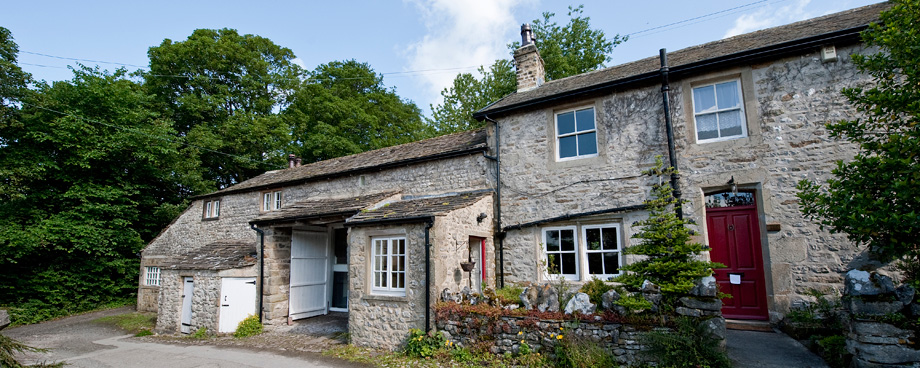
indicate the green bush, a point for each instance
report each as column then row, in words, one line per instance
column 201, row 333
column 595, row 289
column 250, row 326
column 834, row 351
column 634, row 302
column 423, row 345
column 690, row 346
column 578, row 352
column 509, row 294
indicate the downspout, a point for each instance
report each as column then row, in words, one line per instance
column 499, row 234
column 428, row 274
column 672, row 154
column 261, row 263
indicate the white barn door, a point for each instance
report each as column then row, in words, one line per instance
column 309, row 274
column 188, row 289
column 237, row 301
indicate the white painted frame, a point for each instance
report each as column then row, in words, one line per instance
column 575, row 251
column 586, row 250
column 152, row 276
column 716, row 111
column 389, row 257
column 575, row 133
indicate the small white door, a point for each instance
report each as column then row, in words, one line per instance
column 475, row 248
column 188, row 288
column 237, row 301
column 309, row 274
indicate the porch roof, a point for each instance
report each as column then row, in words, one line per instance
column 219, row 255
column 414, row 209
column 323, row 208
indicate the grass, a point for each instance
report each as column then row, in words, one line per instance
column 138, row 323
column 447, row 358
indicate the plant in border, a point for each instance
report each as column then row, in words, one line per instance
column 690, row 345
column 249, row 326
column 424, row 345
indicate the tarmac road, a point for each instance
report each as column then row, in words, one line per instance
column 80, row 342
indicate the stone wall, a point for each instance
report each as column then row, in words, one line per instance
column 276, row 282
column 787, row 103
column 205, row 298
column 883, row 321
column 450, row 238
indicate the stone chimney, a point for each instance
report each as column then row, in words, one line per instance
column 527, row 61
column 291, row 160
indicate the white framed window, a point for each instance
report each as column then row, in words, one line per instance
column 718, row 111
column 576, row 134
column 560, row 254
column 271, row 201
column 151, row 276
column 212, row 209
column 389, row 265
column 582, row 252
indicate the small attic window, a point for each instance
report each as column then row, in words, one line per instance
column 271, row 201
column 211, row 209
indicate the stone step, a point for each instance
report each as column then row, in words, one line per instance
column 748, row 325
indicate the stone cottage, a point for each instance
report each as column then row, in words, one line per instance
column 549, row 189
column 742, row 119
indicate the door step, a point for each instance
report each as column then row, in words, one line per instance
column 748, row 325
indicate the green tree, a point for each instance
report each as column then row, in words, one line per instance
column 875, row 198
column 223, row 90
column 91, row 172
column 671, row 259
column 13, row 81
column 566, row 50
column 343, row 108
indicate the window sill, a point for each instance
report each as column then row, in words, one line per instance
column 210, row 219
column 386, row 298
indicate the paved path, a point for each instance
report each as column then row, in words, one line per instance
column 750, row 349
column 80, row 342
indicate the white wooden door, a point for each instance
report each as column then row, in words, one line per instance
column 188, row 288
column 309, row 274
column 237, row 301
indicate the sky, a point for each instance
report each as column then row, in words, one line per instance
column 418, row 45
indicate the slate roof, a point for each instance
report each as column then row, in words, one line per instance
column 219, row 255
column 416, row 208
column 323, row 207
column 767, row 43
column 429, row 149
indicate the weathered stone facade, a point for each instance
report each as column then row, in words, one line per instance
column 205, row 298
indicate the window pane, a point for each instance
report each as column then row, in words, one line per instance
column 552, row 241
column 401, row 246
column 568, row 240
column 593, row 239
column 706, row 127
column 703, row 99
column 594, row 264
column 568, row 263
column 610, row 238
column 553, row 265
column 400, row 281
column 207, row 209
column 585, row 119
column 395, row 277
column 611, row 263
column 266, row 201
column 587, row 143
column 565, row 123
column 277, row 200
column 730, row 123
column 216, row 208
column 727, row 95
column 567, row 147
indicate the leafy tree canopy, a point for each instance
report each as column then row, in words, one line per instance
column 13, row 81
column 875, row 198
column 344, row 108
column 222, row 90
column 567, row 50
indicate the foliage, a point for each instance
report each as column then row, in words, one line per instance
column 423, row 345
column 444, row 357
column 221, row 89
column 571, row 49
column 87, row 180
column 509, row 294
column 596, row 289
column 634, row 302
column 343, row 108
column 910, row 269
column 875, row 198
column 9, row 347
column 469, row 94
column 13, row 81
column 136, row 322
column 671, row 259
column 690, row 345
column 200, row 334
column 823, row 313
column 249, row 326
column 142, row 333
column 834, row 351
column 579, row 352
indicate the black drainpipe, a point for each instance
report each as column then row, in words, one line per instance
column 428, row 274
column 500, row 235
column 672, row 154
column 261, row 262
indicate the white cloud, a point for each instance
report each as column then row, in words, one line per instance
column 769, row 16
column 459, row 34
column 299, row 62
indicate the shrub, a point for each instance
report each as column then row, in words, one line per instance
column 250, row 326
column 201, row 333
column 424, row 345
column 834, row 351
column 578, row 352
column 509, row 294
column 595, row 289
column 690, row 345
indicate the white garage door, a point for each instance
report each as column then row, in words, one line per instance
column 309, row 274
column 237, row 301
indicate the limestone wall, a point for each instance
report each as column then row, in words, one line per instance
column 450, row 241
column 205, row 298
column 787, row 103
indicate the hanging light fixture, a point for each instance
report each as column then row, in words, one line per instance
column 733, row 185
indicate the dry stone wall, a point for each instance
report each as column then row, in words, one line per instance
column 883, row 321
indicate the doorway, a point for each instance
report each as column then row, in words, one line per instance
column 734, row 236
column 477, row 248
column 185, row 320
column 309, row 274
column 237, row 301
column 339, row 298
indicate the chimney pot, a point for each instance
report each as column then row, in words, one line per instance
column 530, row 70
column 527, row 37
column 297, row 162
column 291, row 158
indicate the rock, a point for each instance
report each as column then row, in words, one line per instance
column 905, row 294
column 650, row 287
column 608, row 298
column 705, row 287
column 915, row 310
column 874, row 308
column 4, row 319
column 466, row 293
column 581, row 303
column 512, row 306
column 716, row 327
column 884, row 354
column 529, row 297
column 687, row 312
column 710, row 304
column 879, row 329
column 654, row 298
column 547, row 299
column 862, row 283
column 447, row 296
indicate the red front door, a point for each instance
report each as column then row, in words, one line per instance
column 734, row 235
